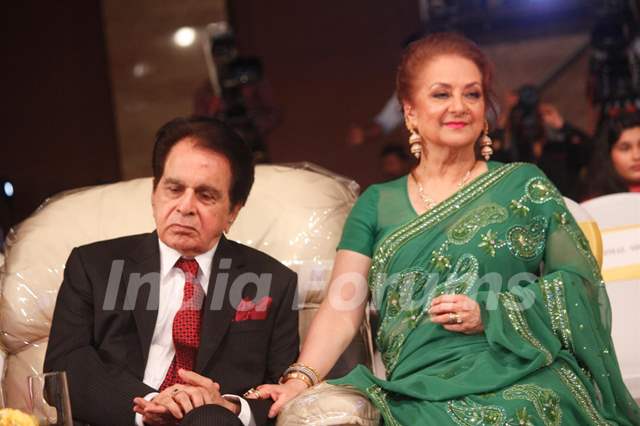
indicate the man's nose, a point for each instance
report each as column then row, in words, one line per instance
column 186, row 204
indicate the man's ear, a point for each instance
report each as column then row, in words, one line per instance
column 233, row 214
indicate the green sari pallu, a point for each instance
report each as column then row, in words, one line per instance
column 545, row 357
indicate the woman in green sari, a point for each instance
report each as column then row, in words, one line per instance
column 492, row 307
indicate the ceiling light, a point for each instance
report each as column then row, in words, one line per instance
column 184, row 37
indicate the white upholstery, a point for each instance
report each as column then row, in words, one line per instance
column 618, row 216
column 294, row 213
column 327, row 405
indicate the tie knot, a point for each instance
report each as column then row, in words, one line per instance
column 189, row 267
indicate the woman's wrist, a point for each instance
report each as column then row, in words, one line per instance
column 298, row 385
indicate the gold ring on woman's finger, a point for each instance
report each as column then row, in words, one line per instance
column 457, row 317
column 250, row 392
column 257, row 393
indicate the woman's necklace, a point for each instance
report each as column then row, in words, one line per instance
column 429, row 202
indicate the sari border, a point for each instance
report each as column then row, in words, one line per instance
column 555, row 301
column 379, row 398
column 392, row 243
column 579, row 392
column 520, row 324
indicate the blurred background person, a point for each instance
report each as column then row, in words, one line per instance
column 615, row 167
column 395, row 161
column 539, row 134
column 238, row 93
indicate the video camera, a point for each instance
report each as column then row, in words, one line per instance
column 231, row 76
column 525, row 122
column 614, row 66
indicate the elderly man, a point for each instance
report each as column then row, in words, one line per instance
column 170, row 327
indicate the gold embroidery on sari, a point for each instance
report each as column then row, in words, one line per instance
column 554, row 301
column 528, row 242
column 545, row 401
column 576, row 387
column 465, row 228
column 519, row 323
column 379, row 398
column 466, row 412
column 539, row 190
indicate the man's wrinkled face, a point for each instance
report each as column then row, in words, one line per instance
column 191, row 204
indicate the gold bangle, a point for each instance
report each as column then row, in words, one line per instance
column 300, row 376
column 312, row 370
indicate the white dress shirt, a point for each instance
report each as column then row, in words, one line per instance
column 162, row 350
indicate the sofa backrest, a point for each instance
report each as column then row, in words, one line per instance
column 294, row 213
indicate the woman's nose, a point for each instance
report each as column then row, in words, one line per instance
column 457, row 104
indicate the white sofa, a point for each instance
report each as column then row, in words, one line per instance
column 295, row 213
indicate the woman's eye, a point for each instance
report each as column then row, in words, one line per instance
column 440, row 95
column 474, row 95
column 622, row 146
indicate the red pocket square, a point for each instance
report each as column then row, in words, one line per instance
column 247, row 310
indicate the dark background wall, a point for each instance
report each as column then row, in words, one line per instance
column 331, row 64
column 69, row 70
column 57, row 116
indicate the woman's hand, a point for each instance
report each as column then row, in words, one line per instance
column 457, row 312
column 281, row 394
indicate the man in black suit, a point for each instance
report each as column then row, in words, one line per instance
column 164, row 323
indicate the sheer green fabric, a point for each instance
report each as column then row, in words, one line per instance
column 507, row 240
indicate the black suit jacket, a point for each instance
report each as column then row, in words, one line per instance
column 101, row 332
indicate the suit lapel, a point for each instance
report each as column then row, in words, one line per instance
column 217, row 311
column 146, row 260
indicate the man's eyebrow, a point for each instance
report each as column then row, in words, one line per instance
column 173, row 181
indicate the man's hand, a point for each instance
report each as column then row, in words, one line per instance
column 209, row 387
column 551, row 116
column 171, row 405
column 152, row 413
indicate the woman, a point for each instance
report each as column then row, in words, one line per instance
column 620, row 149
column 469, row 333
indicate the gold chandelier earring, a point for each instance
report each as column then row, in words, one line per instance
column 486, row 151
column 415, row 143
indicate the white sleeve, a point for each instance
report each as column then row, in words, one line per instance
column 245, row 415
column 147, row 397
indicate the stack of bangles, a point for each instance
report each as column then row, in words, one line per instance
column 301, row 372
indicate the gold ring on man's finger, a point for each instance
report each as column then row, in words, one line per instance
column 250, row 392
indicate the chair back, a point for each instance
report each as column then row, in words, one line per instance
column 618, row 216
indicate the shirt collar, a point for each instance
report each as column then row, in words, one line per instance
column 169, row 256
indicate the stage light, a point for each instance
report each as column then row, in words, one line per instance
column 7, row 189
column 184, row 37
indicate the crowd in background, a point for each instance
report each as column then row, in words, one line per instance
column 581, row 165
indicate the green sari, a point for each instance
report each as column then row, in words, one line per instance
column 508, row 241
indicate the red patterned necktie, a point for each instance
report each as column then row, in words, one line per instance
column 186, row 324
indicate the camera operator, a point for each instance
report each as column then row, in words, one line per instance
column 246, row 101
column 540, row 135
